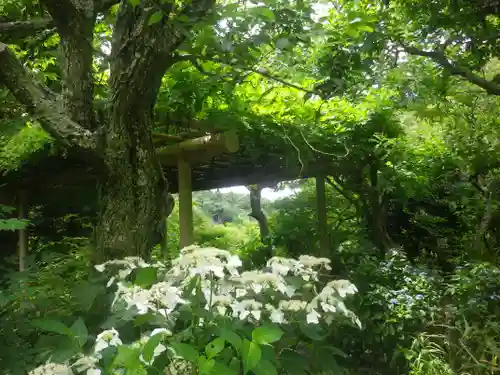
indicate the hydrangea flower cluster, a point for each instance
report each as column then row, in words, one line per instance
column 276, row 293
column 283, row 292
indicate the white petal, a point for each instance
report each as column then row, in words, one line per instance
column 100, row 345
column 110, row 282
column 161, row 330
column 256, row 314
column 277, row 316
column 100, row 267
column 312, row 317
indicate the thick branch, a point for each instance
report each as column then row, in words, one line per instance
column 258, row 214
column 103, row 5
column 69, row 13
column 41, row 103
column 440, row 58
column 74, row 20
column 13, row 31
column 142, row 53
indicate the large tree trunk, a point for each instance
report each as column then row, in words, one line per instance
column 133, row 192
column 259, row 215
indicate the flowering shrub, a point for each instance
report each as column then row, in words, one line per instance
column 204, row 314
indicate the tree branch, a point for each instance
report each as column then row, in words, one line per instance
column 263, row 72
column 41, row 103
column 16, row 30
column 75, row 20
column 143, row 52
column 101, row 6
column 69, row 13
column 440, row 58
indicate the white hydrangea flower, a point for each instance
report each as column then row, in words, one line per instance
column 161, row 330
column 109, row 337
column 292, row 305
column 85, row 363
column 245, row 308
column 166, row 295
column 276, row 315
column 312, row 317
column 224, row 288
column 311, row 262
column 138, row 298
column 343, row 287
column 52, row 369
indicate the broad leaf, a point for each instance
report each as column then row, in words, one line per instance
column 265, row 367
column 266, row 334
column 53, row 326
column 214, row 347
column 128, row 357
column 79, row 332
column 145, row 277
column 186, row 351
column 155, row 18
column 231, row 337
column 205, row 365
column 251, row 354
column 149, row 348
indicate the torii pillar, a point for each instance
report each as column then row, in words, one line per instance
column 185, row 203
column 185, row 154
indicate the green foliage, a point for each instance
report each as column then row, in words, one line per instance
column 410, row 147
column 11, row 224
column 44, row 309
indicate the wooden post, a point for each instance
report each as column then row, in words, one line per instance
column 23, row 233
column 185, row 204
column 321, row 215
column 164, row 244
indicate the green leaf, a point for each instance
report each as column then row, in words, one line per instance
column 134, row 3
column 366, row 28
column 222, row 369
column 86, row 293
column 64, row 350
column 79, row 332
column 214, row 347
column 205, row 365
column 145, row 277
column 149, row 348
column 155, row 18
column 186, row 351
column 128, row 357
column 231, row 337
column 250, row 353
column 266, row 334
column 292, row 364
column 282, row 43
column 137, row 371
column 235, row 365
column 265, row 367
column 267, row 13
column 313, row 331
column 53, row 326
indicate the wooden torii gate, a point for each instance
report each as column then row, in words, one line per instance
column 184, row 155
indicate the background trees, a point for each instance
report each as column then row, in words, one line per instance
column 399, row 98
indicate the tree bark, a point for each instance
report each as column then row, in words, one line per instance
column 258, row 214
column 321, row 213
column 133, row 191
